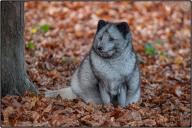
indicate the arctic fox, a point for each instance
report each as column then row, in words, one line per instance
column 110, row 72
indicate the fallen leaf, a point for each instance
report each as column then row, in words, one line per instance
column 6, row 113
column 149, row 122
column 35, row 116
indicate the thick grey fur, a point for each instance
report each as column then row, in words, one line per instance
column 110, row 72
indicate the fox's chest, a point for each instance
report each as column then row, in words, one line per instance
column 109, row 72
column 115, row 70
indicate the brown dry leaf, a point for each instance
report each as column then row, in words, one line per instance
column 29, row 102
column 149, row 122
column 48, row 108
column 15, row 103
column 116, row 113
column 179, row 60
column 161, row 119
column 53, row 74
column 62, row 120
column 35, row 116
column 50, row 45
column 79, row 34
column 129, row 116
column 134, row 106
column 58, row 112
column 90, row 108
column 184, row 109
column 185, row 123
column 111, row 123
column 93, row 120
column 6, row 113
column 6, row 100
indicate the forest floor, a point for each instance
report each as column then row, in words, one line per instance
column 59, row 34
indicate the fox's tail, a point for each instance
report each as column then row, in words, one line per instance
column 65, row 93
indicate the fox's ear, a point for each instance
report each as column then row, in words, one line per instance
column 123, row 27
column 101, row 24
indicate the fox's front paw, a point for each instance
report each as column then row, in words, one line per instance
column 122, row 96
column 133, row 98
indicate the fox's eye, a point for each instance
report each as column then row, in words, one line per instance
column 111, row 39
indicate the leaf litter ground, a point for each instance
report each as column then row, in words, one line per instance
column 59, row 34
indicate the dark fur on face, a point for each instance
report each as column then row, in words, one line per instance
column 123, row 28
column 101, row 24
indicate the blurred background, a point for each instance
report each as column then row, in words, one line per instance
column 59, row 34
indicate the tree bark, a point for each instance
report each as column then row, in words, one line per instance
column 14, row 80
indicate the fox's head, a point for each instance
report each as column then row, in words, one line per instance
column 111, row 38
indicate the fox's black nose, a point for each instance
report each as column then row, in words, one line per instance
column 100, row 48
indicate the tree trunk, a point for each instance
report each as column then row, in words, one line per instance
column 14, row 79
